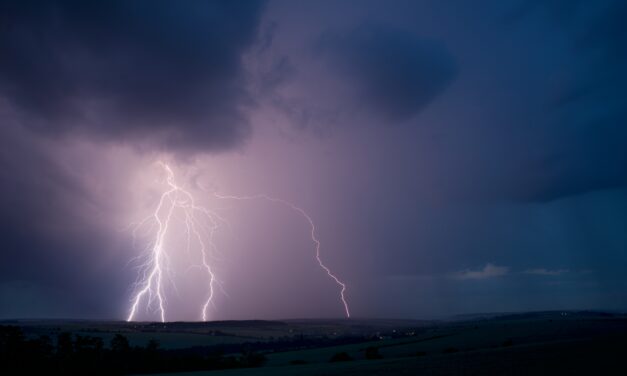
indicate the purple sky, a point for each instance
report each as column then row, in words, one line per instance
column 456, row 157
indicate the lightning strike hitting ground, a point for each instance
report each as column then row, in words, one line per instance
column 200, row 225
column 302, row 212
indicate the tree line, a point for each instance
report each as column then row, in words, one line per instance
column 74, row 354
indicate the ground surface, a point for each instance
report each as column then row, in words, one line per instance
column 578, row 343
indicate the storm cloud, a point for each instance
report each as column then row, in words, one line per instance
column 394, row 73
column 155, row 72
column 585, row 104
column 475, row 149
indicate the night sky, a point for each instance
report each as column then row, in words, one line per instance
column 456, row 156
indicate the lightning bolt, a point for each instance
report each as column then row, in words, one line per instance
column 200, row 225
column 315, row 240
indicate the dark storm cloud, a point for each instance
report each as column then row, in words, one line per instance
column 161, row 71
column 152, row 74
column 538, row 111
column 394, row 73
column 49, row 241
column 507, row 120
column 147, row 73
column 585, row 116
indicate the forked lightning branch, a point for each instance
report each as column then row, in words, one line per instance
column 200, row 225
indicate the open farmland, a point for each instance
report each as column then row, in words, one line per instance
column 530, row 343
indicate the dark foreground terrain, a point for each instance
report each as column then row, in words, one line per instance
column 579, row 343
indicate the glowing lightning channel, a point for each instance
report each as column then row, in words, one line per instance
column 302, row 212
column 154, row 269
column 151, row 284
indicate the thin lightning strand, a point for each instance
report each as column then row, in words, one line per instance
column 151, row 285
column 312, row 226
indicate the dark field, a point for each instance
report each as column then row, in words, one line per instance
column 514, row 344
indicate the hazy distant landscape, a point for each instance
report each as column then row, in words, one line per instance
column 527, row 343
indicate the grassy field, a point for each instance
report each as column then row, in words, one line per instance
column 520, row 344
column 549, row 343
column 557, row 358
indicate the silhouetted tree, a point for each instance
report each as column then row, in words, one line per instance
column 87, row 355
column 65, row 347
column 152, row 345
column 119, row 344
column 12, row 348
column 88, row 349
column 120, row 354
